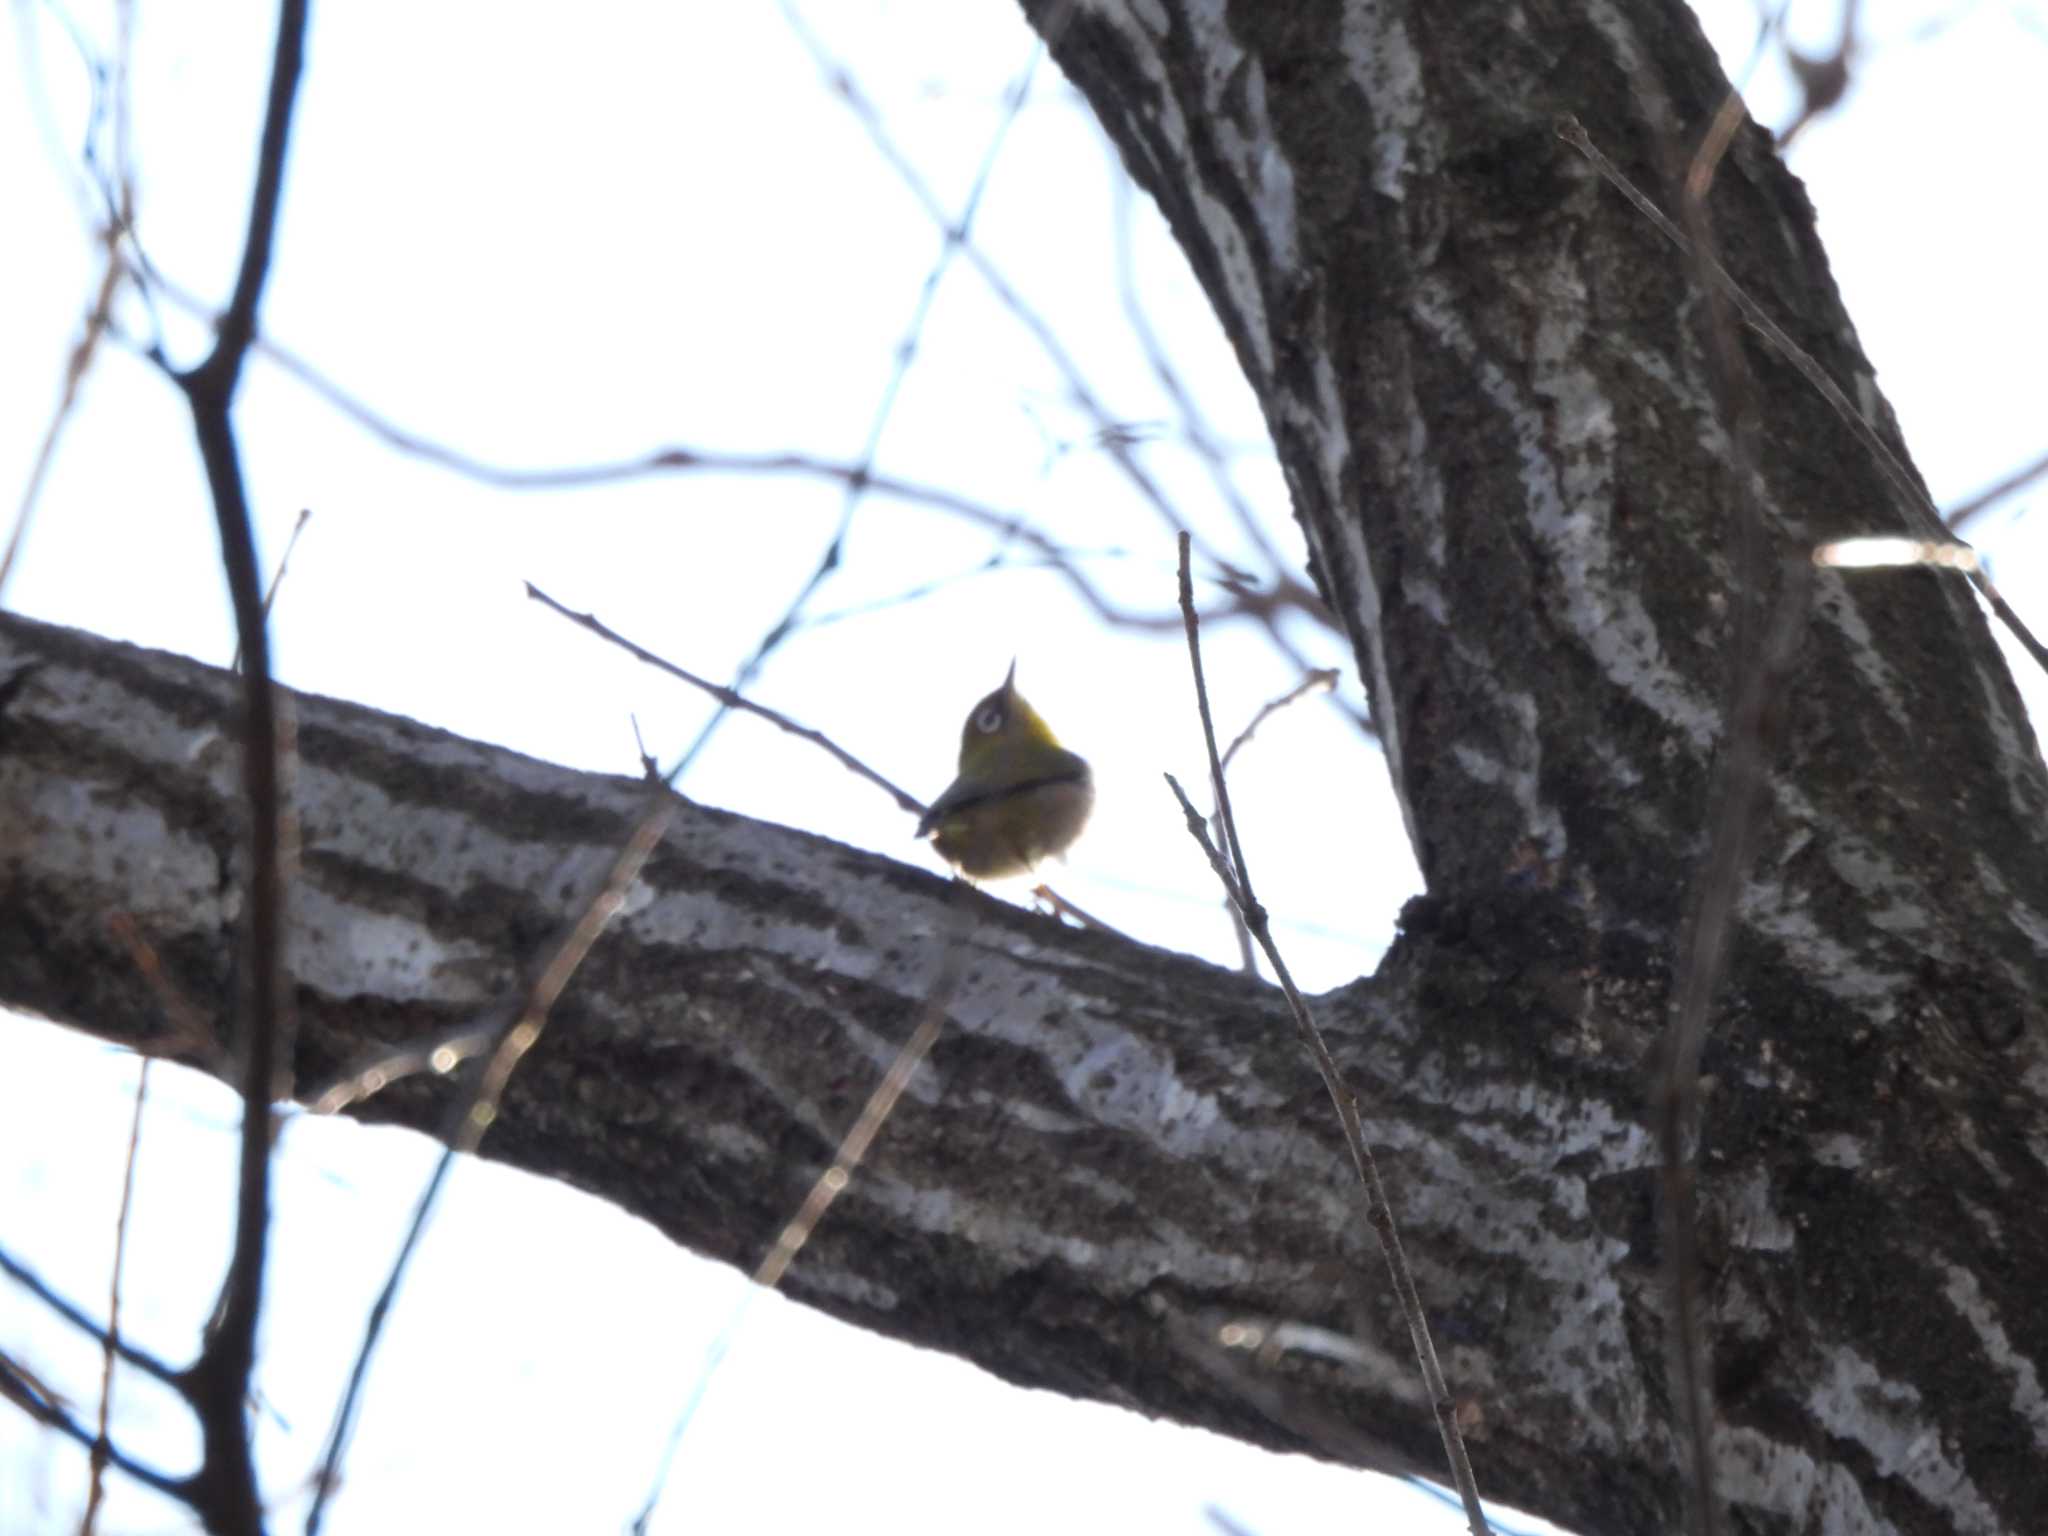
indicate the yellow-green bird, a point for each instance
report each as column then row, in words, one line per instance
column 1020, row 796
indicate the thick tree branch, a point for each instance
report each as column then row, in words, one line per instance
column 1116, row 1160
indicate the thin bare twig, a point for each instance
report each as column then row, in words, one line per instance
column 1235, row 1354
column 853, row 1148
column 20, row 1386
column 377, row 1070
column 1996, row 492
column 1246, row 599
column 476, row 1110
column 730, row 699
column 1041, row 330
column 192, row 1037
column 117, row 195
column 829, row 1185
column 904, row 358
column 284, row 562
column 1239, row 886
column 1194, row 426
column 1059, row 906
column 1762, row 675
column 223, row 1491
column 1112, row 435
column 76, row 1316
column 1920, row 511
column 561, row 968
column 102, row 1448
column 1739, row 780
column 649, row 768
column 686, row 460
column 1262, row 607
column 442, row 1052
column 1379, row 1215
column 97, row 319
column 1754, row 728
column 1319, row 680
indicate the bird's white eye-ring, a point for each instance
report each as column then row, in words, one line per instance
column 989, row 721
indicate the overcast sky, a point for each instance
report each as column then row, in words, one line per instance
column 549, row 243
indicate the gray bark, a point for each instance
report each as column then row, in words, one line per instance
column 1486, row 380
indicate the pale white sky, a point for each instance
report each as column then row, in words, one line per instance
column 548, row 243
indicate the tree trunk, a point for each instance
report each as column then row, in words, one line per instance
column 1486, row 378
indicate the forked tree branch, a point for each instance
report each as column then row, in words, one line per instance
column 224, row 1491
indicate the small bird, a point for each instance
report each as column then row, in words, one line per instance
column 1020, row 795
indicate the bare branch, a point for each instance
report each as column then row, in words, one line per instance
column 1239, row 885
column 1236, row 879
column 1194, row 427
column 475, row 1112
column 1754, row 728
column 1057, row 905
column 1111, row 434
column 117, row 196
column 687, row 460
column 110, row 1351
column 379, row 1069
column 731, row 699
column 904, row 358
column 875, row 1113
column 224, row 1491
column 191, row 1038
column 284, row 562
column 97, row 320
column 20, row 1387
column 830, row 1184
column 1996, row 492
column 1720, row 879
column 1320, row 680
column 75, row 1315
